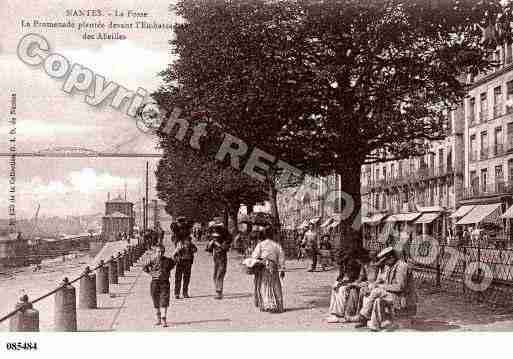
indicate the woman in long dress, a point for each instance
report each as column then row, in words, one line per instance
column 345, row 295
column 268, row 290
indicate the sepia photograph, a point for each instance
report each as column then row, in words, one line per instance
column 256, row 167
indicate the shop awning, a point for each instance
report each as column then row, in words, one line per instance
column 489, row 213
column 374, row 219
column 427, row 217
column 462, row 211
column 508, row 214
column 335, row 223
column 315, row 220
column 327, row 222
column 403, row 217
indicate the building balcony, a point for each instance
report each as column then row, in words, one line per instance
column 491, row 189
column 497, row 110
column 498, row 149
column 483, row 154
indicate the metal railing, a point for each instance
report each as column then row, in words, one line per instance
column 476, row 190
column 483, row 153
column 498, row 149
column 134, row 252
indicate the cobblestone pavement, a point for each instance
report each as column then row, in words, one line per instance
column 129, row 308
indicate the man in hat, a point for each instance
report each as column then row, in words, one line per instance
column 184, row 257
column 395, row 292
column 160, row 269
column 219, row 245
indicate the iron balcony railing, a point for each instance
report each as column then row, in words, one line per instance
column 497, row 110
column 479, row 190
column 483, row 154
column 483, row 116
column 498, row 149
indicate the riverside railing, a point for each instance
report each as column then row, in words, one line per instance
column 26, row 318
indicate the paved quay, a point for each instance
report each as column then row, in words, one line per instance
column 306, row 295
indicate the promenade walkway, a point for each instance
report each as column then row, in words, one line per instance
column 129, row 307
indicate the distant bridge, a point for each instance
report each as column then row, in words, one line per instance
column 76, row 152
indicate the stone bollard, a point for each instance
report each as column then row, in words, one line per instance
column 113, row 271
column 121, row 265
column 27, row 319
column 65, row 317
column 102, row 278
column 87, row 293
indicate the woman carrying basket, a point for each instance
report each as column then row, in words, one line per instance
column 270, row 259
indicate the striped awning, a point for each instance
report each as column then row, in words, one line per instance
column 335, row 223
column 427, row 217
column 403, row 217
column 483, row 213
column 374, row 219
column 462, row 211
column 315, row 220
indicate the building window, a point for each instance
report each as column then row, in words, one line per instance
column 484, row 145
column 473, row 148
column 509, row 96
column 472, row 111
column 508, row 53
column 484, row 177
column 509, row 138
column 440, row 161
column 449, row 160
column 510, row 170
column 497, row 101
column 497, row 134
column 483, row 114
column 392, row 173
column 499, row 178
column 474, row 182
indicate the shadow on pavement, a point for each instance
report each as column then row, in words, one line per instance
column 426, row 325
column 200, row 321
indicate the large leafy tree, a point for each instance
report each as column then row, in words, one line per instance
column 193, row 185
column 330, row 85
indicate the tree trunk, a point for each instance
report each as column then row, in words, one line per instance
column 272, row 193
column 233, row 212
column 350, row 206
column 225, row 216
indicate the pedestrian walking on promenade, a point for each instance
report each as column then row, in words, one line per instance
column 270, row 260
column 160, row 268
column 311, row 239
column 219, row 245
column 184, row 257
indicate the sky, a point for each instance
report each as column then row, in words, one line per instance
column 48, row 117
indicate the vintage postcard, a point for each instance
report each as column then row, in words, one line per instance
column 215, row 165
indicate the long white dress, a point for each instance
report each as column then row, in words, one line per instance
column 268, row 290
